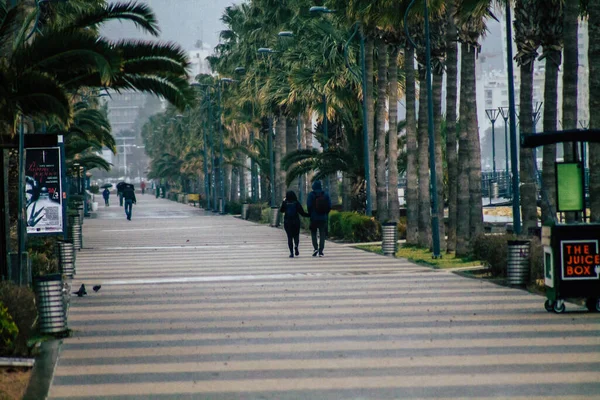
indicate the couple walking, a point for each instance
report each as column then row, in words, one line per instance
column 318, row 205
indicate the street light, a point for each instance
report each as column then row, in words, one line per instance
column 505, row 116
column 363, row 78
column 286, row 34
column 516, row 194
column 435, row 227
column 492, row 114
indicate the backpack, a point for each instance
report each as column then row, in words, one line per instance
column 291, row 209
column 321, row 204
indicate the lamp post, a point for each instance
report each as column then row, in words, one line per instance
column 505, row 115
column 266, row 50
column 21, row 213
column 514, row 146
column 492, row 114
column 363, row 79
column 435, row 227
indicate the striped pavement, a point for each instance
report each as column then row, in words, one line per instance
column 195, row 305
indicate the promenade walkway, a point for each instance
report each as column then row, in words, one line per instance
column 195, row 305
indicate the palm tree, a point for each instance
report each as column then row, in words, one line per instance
column 527, row 38
column 393, row 204
column 470, row 23
column 451, row 137
column 594, row 60
column 551, row 31
column 380, row 144
column 412, row 194
column 570, row 78
column 423, row 166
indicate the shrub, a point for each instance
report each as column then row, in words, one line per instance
column 233, row 207
column 536, row 255
column 358, row 228
column 265, row 216
column 335, row 224
column 20, row 302
column 402, row 228
column 254, row 212
column 44, row 259
column 8, row 332
column 94, row 189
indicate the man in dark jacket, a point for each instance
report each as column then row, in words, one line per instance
column 318, row 204
column 129, row 197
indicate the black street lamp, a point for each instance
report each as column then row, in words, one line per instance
column 492, row 114
column 505, row 116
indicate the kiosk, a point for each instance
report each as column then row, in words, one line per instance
column 571, row 249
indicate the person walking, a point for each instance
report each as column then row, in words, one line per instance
column 292, row 210
column 106, row 195
column 143, row 187
column 130, row 200
column 318, row 204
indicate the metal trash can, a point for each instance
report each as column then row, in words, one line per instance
column 221, row 206
column 389, row 242
column 52, row 316
column 518, row 262
column 66, row 257
column 274, row 216
column 245, row 211
column 494, row 190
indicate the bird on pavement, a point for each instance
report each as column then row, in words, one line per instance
column 96, row 288
column 81, row 292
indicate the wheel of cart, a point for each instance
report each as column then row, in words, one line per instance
column 571, row 249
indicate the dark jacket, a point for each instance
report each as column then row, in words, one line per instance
column 106, row 194
column 129, row 194
column 299, row 211
column 310, row 202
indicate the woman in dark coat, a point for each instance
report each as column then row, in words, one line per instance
column 292, row 210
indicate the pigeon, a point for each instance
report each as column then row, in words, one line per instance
column 96, row 288
column 81, row 292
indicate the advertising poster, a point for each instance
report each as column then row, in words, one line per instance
column 43, row 191
column 580, row 259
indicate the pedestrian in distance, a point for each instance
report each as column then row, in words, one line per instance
column 292, row 209
column 318, row 204
column 143, row 187
column 120, row 195
column 130, row 200
column 106, row 195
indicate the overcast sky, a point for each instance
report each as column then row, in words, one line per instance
column 181, row 21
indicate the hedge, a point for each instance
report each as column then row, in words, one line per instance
column 354, row 227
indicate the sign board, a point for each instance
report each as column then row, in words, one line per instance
column 43, row 191
column 569, row 187
column 580, row 259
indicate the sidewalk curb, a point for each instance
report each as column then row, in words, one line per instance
column 43, row 371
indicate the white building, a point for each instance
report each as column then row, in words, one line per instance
column 198, row 62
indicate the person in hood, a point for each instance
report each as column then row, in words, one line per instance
column 292, row 209
column 106, row 195
column 130, row 200
column 318, row 204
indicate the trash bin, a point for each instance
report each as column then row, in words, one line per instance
column 389, row 242
column 495, row 193
column 245, row 211
column 517, row 268
column 221, row 206
column 75, row 232
column 52, row 316
column 66, row 257
column 274, row 216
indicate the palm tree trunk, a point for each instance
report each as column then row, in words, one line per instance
column 451, row 138
column 594, row 85
column 382, row 198
column 291, row 144
column 526, row 170
column 393, row 204
column 242, row 176
column 412, row 194
column 235, row 184
column 570, row 79
column 553, row 59
column 463, row 217
column 346, row 192
column 423, row 164
column 476, row 208
column 439, row 161
column 280, row 133
column 228, row 182
column 308, row 139
column 371, row 111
